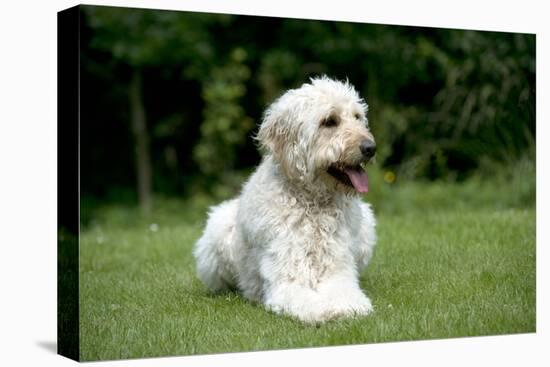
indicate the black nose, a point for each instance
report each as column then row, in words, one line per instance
column 368, row 148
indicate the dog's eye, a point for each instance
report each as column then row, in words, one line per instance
column 329, row 122
column 357, row 116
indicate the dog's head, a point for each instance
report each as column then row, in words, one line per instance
column 319, row 133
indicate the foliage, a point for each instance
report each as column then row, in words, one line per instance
column 148, row 38
column 486, row 108
column 443, row 103
column 225, row 122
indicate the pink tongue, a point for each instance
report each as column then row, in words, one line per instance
column 359, row 179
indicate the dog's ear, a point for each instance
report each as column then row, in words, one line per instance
column 278, row 136
column 274, row 130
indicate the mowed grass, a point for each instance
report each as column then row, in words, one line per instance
column 439, row 271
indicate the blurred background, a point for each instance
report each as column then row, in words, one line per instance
column 170, row 101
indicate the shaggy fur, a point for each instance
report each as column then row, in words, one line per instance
column 298, row 236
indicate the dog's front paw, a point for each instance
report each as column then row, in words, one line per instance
column 320, row 312
column 330, row 302
column 345, row 307
column 308, row 313
column 361, row 307
column 335, row 308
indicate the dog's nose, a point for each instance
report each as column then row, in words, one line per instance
column 368, row 148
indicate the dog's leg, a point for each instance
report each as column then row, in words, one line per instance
column 338, row 296
column 215, row 250
column 342, row 296
column 365, row 240
column 295, row 300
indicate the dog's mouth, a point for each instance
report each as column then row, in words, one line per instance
column 353, row 176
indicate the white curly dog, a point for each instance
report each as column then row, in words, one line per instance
column 299, row 234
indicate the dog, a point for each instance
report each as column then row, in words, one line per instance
column 299, row 234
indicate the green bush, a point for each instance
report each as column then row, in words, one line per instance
column 443, row 104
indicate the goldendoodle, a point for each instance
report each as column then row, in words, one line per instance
column 299, row 234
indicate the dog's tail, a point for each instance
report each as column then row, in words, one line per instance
column 214, row 251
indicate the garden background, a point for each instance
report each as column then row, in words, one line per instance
column 169, row 104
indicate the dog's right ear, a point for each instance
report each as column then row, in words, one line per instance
column 278, row 136
column 274, row 130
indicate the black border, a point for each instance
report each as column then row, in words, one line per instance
column 68, row 130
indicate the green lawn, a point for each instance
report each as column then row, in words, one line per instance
column 452, row 260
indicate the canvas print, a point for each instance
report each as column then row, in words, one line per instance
column 234, row 183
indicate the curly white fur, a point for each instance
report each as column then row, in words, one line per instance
column 296, row 238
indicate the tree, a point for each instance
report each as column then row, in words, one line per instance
column 145, row 39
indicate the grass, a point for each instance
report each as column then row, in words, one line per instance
column 452, row 260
